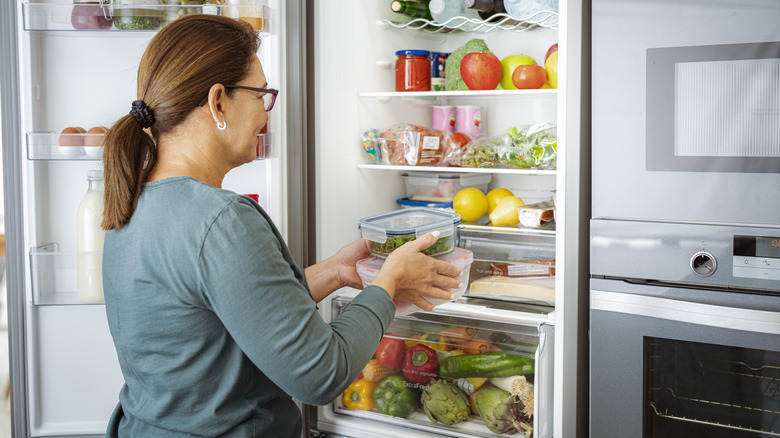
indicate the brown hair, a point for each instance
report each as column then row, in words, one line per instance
column 176, row 72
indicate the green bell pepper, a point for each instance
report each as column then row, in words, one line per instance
column 396, row 396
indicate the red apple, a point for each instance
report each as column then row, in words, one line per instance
column 530, row 76
column 480, row 71
column 553, row 48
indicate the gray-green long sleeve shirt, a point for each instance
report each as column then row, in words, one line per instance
column 213, row 323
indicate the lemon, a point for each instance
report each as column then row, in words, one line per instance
column 506, row 212
column 495, row 196
column 470, row 203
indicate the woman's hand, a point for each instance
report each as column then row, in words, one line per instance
column 337, row 271
column 409, row 275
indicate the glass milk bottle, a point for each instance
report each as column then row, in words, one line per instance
column 90, row 237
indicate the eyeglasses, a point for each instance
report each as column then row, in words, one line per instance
column 269, row 95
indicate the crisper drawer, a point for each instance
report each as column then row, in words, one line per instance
column 496, row 358
column 511, row 265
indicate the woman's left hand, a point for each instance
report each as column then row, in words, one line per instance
column 345, row 261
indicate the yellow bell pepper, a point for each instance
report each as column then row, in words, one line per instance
column 360, row 395
column 434, row 340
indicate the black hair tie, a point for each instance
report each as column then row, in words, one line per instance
column 142, row 114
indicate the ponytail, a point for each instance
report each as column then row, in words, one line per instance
column 129, row 156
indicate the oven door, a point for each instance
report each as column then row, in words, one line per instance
column 686, row 110
column 672, row 362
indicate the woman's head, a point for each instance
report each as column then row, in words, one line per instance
column 178, row 69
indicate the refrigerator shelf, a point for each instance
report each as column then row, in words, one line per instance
column 386, row 96
column 503, row 21
column 456, row 169
column 108, row 15
column 54, row 275
column 54, row 146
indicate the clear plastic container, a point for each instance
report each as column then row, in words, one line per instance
column 441, row 187
column 409, row 203
column 368, row 269
column 386, row 232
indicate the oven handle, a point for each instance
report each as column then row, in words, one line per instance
column 755, row 321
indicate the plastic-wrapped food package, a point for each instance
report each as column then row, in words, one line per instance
column 405, row 144
column 482, row 152
column 529, row 146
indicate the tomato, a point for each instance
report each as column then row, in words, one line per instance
column 390, row 352
column 529, row 76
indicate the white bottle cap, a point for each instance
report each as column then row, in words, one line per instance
column 436, row 6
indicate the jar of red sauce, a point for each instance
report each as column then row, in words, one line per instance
column 91, row 15
column 413, row 70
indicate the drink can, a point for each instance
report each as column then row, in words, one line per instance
column 443, row 117
column 438, row 61
column 469, row 119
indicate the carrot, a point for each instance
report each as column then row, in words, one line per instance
column 458, row 335
column 475, row 346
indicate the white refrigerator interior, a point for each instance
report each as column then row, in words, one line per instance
column 87, row 78
column 354, row 83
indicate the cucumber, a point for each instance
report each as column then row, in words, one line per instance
column 488, row 364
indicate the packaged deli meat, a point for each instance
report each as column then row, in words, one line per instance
column 536, row 215
column 537, row 268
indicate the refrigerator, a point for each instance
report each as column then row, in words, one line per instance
column 333, row 62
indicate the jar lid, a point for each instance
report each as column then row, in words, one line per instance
column 94, row 174
column 413, row 52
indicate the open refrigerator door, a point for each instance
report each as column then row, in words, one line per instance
column 76, row 64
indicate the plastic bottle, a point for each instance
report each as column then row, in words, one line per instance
column 444, row 10
column 90, row 236
column 525, row 9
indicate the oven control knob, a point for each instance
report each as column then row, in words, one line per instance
column 704, row 264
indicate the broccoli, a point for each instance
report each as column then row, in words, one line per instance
column 452, row 67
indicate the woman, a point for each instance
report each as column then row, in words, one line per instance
column 215, row 327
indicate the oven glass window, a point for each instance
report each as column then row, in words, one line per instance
column 693, row 389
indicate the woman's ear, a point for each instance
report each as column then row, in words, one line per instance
column 216, row 102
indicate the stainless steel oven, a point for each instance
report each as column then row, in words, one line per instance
column 685, row 330
column 685, row 228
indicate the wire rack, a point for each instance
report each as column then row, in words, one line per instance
column 548, row 19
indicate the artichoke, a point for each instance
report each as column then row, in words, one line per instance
column 501, row 412
column 445, row 403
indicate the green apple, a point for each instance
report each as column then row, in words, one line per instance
column 508, row 66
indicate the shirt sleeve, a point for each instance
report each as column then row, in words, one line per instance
column 253, row 285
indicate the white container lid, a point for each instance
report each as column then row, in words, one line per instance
column 412, row 221
column 428, row 179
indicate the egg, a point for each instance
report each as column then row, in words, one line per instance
column 69, row 137
column 95, row 136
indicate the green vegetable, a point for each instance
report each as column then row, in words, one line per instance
column 445, row 403
column 489, row 364
column 533, row 146
column 396, row 396
column 501, row 413
column 452, row 67
column 137, row 23
column 442, row 245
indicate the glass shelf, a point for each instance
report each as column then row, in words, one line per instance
column 76, row 147
column 386, row 96
column 109, row 15
column 55, row 275
column 547, row 19
column 457, row 169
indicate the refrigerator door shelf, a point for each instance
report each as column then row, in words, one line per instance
column 78, row 147
column 108, row 15
column 54, row 275
column 510, row 328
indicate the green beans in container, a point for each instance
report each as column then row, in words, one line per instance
column 386, row 232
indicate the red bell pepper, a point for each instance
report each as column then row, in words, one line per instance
column 420, row 364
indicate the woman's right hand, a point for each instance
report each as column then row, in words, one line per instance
column 411, row 276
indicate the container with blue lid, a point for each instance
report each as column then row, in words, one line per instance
column 384, row 233
column 411, row 203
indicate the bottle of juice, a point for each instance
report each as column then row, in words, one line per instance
column 90, row 237
column 250, row 11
